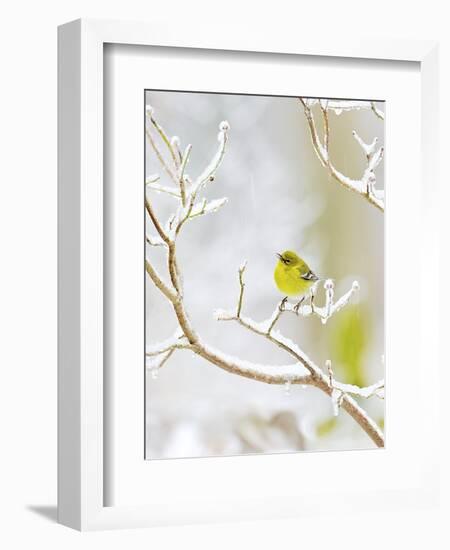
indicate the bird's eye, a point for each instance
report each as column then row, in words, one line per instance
column 286, row 261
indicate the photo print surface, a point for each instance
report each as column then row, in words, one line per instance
column 264, row 282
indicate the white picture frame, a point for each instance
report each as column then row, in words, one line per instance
column 82, row 483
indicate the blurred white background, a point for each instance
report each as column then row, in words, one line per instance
column 279, row 197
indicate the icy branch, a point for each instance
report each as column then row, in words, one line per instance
column 209, row 172
column 340, row 105
column 303, row 309
column 207, row 207
column 303, row 370
column 329, row 309
column 376, row 389
column 176, row 341
column 339, row 393
column 339, row 390
column 154, row 186
column 171, row 144
column 183, row 189
column 184, row 161
column 366, row 185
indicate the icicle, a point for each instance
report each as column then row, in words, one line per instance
column 338, row 111
column 329, row 292
column 287, row 388
column 336, row 398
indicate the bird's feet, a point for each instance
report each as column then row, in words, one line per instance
column 298, row 304
column 282, row 305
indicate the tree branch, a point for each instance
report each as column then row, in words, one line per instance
column 364, row 186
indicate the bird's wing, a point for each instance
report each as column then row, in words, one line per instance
column 308, row 276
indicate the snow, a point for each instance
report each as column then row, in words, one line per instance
column 292, row 346
column 375, row 389
column 151, row 184
column 159, row 347
column 205, row 207
column 368, row 148
column 210, row 170
column 175, row 141
column 223, row 315
column 292, row 373
column 342, row 105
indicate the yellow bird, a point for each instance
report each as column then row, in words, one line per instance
column 293, row 276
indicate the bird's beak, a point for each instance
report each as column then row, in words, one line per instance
column 279, row 256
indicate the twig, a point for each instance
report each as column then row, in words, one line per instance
column 184, row 161
column 160, row 157
column 176, row 341
column 172, row 191
column 340, row 105
column 154, row 241
column 377, row 111
column 365, row 186
column 164, row 136
column 208, row 173
column 241, row 291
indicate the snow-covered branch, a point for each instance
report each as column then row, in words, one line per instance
column 366, row 185
column 342, row 105
column 340, row 390
column 303, row 309
column 329, row 308
column 155, row 186
column 176, row 341
column 302, row 370
column 339, row 393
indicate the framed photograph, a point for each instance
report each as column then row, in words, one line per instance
column 238, row 338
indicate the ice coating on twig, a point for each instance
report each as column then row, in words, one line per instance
column 366, row 184
column 175, row 340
